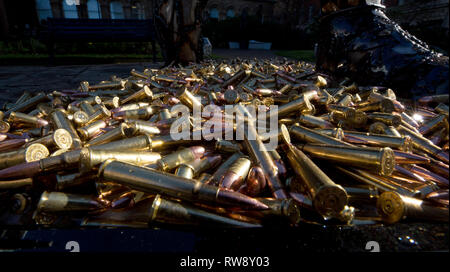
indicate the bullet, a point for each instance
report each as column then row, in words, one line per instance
column 380, row 160
column 439, row 168
column 90, row 158
column 328, row 198
column 143, row 113
column 32, row 153
column 137, row 127
column 142, row 142
column 17, row 119
column 204, row 177
column 91, row 130
column 60, row 138
column 423, row 144
column 166, row 211
column 236, row 174
column 311, row 136
column 427, row 174
column 188, row 99
column 362, row 192
column 153, row 181
column 299, row 105
column 182, row 156
column 370, row 179
column 59, row 119
column 12, row 144
column 341, row 112
column 385, row 106
column 336, row 133
column 439, row 197
column 279, row 209
column 433, row 124
column 62, row 202
column 403, row 143
column 143, row 94
column 201, row 165
column 66, row 181
column 408, row 119
column 110, row 136
column 80, row 118
column 107, row 85
column 100, row 114
column 185, row 171
column 13, row 184
column 314, row 122
column 394, row 207
column 224, row 146
column 441, row 108
column 218, row 174
column 87, row 108
column 388, row 119
column 112, row 103
column 28, row 104
column 440, row 98
column 410, row 158
column 163, row 142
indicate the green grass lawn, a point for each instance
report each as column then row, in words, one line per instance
column 305, row 55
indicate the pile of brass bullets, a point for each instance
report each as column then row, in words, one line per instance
column 102, row 155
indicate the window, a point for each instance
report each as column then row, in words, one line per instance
column 137, row 11
column 230, row 13
column 93, row 9
column 214, row 13
column 116, row 10
column 44, row 10
column 70, row 11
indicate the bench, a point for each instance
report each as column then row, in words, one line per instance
column 98, row 30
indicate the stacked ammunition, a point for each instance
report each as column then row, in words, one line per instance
column 104, row 155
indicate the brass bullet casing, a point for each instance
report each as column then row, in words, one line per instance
column 34, row 152
column 423, row 144
column 337, row 133
column 163, row 142
column 59, row 119
column 2, row 115
column 380, row 160
column 362, row 192
column 201, row 165
column 62, row 202
column 409, row 120
column 179, row 157
column 107, row 86
column 403, row 143
column 142, row 142
column 220, row 171
column 329, row 199
column 261, row 157
column 142, row 113
column 345, row 100
column 112, row 103
column 433, row 124
column 171, row 212
column 28, row 104
column 80, row 118
column 188, row 99
column 91, row 130
column 164, row 114
column 236, row 174
column 313, row 122
column 110, row 136
column 204, row 177
column 71, row 108
column 25, row 119
column 13, row 184
column 153, row 181
column 4, row 127
column 312, row 136
column 389, row 119
column 90, row 158
column 394, row 207
column 135, row 73
column 231, row 96
column 102, row 113
column 299, row 105
column 441, row 108
column 84, row 86
column 341, row 112
column 185, row 171
column 87, row 108
column 137, row 127
column 224, row 146
column 60, row 138
column 381, row 128
column 143, row 94
column 385, row 105
column 282, row 208
column 65, row 181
